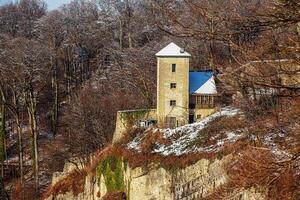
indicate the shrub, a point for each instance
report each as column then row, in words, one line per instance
column 73, row 182
column 258, row 167
column 151, row 140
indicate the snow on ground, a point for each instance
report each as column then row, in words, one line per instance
column 276, row 150
column 185, row 135
column 231, row 138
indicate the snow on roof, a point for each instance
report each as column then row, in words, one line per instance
column 172, row 50
column 202, row 83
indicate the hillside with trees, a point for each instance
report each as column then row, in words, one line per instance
column 65, row 73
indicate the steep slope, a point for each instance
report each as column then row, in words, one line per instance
column 182, row 138
column 221, row 157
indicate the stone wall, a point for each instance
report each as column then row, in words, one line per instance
column 123, row 118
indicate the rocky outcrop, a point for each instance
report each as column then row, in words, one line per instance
column 156, row 183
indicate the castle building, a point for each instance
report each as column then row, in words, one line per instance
column 183, row 96
column 172, row 86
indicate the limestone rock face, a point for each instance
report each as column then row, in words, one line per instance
column 68, row 168
column 199, row 180
column 156, row 183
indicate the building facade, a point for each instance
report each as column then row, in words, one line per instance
column 172, row 86
column 203, row 94
column 183, row 96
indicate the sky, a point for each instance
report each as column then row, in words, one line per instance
column 52, row 4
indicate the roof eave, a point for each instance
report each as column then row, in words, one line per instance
column 204, row 93
column 172, row 56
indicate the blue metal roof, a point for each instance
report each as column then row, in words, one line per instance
column 197, row 79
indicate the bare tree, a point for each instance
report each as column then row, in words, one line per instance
column 250, row 34
column 30, row 61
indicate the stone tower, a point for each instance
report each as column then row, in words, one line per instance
column 172, row 86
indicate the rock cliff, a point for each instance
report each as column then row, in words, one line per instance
column 153, row 182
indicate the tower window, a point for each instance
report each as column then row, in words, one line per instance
column 172, row 103
column 173, row 85
column 173, row 67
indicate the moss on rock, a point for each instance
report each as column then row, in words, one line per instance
column 112, row 170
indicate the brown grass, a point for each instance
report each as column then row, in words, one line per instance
column 218, row 127
column 27, row 193
column 258, row 167
column 73, row 182
column 136, row 159
column 151, row 139
column 115, row 196
column 129, row 135
column 145, row 157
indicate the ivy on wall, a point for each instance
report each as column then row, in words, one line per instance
column 129, row 118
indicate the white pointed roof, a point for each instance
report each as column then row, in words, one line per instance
column 172, row 50
column 208, row 88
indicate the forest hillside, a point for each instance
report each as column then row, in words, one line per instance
column 65, row 73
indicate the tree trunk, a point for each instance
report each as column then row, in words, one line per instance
column 32, row 113
column 2, row 131
column 130, row 40
column 67, row 74
column 298, row 41
column 20, row 134
column 81, row 72
column 120, row 33
column 254, row 93
column 211, row 45
column 3, row 193
column 88, row 68
column 54, row 117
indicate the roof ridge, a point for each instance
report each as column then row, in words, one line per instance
column 172, row 50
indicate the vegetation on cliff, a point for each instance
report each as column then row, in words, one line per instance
column 74, row 183
column 112, row 169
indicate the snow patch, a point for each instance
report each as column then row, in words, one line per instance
column 269, row 140
column 188, row 133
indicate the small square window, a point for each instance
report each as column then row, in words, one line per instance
column 172, row 103
column 173, row 67
column 173, row 85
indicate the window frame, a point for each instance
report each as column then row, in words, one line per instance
column 173, row 68
column 173, row 103
column 173, row 85
column 204, row 101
